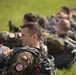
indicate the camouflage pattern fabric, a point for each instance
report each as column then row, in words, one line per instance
column 25, row 62
column 19, row 64
column 54, row 44
column 10, row 39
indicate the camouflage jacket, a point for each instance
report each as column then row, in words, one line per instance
column 20, row 63
column 10, row 39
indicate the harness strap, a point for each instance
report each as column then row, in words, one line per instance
column 30, row 49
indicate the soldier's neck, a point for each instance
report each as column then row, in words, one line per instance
column 37, row 45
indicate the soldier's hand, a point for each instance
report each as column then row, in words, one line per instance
column 7, row 52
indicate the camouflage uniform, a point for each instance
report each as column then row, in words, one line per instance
column 59, row 46
column 54, row 43
column 20, row 63
column 24, row 62
column 10, row 39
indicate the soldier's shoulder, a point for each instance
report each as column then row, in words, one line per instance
column 25, row 53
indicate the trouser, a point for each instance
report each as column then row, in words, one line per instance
column 64, row 60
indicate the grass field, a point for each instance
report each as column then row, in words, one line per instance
column 69, row 71
column 15, row 9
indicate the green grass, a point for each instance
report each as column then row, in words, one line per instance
column 69, row 71
column 15, row 9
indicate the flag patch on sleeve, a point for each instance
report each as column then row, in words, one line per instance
column 12, row 35
column 24, row 58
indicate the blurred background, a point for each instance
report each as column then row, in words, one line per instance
column 15, row 9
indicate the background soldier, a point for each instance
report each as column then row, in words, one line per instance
column 65, row 57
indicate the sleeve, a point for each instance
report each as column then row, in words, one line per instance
column 22, row 63
column 54, row 44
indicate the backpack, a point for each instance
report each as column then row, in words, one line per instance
column 44, row 65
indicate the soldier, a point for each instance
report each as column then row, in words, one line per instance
column 63, row 27
column 29, row 17
column 49, row 40
column 25, row 59
column 65, row 9
column 65, row 57
column 43, row 22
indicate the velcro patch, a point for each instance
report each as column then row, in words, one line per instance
column 19, row 34
column 24, row 57
column 19, row 67
column 12, row 35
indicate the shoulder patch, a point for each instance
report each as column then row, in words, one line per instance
column 19, row 67
column 12, row 35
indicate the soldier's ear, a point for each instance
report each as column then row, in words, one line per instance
column 35, row 37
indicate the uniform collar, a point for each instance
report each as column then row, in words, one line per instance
column 63, row 35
